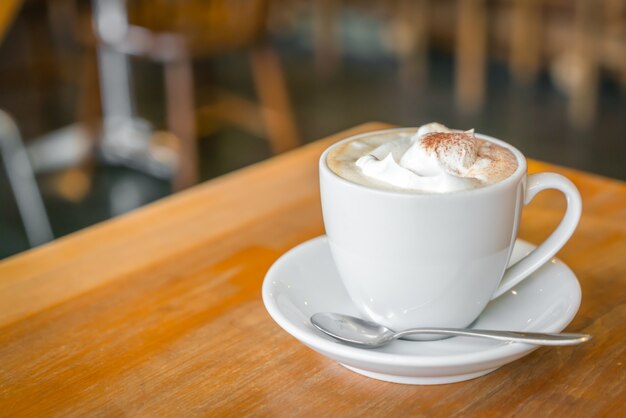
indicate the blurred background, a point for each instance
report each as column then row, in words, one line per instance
column 107, row 105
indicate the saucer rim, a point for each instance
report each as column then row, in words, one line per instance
column 319, row 343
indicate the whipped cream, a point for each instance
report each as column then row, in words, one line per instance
column 435, row 160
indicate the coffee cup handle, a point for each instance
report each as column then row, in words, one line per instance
column 544, row 252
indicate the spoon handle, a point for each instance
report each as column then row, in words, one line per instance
column 537, row 338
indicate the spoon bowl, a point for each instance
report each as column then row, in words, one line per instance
column 353, row 330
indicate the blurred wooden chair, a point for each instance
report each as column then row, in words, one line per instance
column 174, row 33
column 214, row 27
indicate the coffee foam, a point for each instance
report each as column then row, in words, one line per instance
column 456, row 151
column 430, row 161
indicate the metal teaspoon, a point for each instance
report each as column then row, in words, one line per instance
column 367, row 334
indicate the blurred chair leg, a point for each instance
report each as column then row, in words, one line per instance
column 525, row 53
column 181, row 120
column 275, row 107
column 23, row 183
column 89, row 111
column 584, row 94
column 410, row 27
column 471, row 54
column 325, row 38
column 614, row 22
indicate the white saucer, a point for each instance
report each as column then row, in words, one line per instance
column 304, row 281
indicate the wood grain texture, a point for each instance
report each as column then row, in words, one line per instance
column 159, row 313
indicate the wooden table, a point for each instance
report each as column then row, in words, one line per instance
column 159, row 313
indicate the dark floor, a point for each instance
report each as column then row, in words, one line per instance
column 532, row 118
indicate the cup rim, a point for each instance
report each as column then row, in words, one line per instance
column 515, row 177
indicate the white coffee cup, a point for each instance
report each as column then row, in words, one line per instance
column 436, row 260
